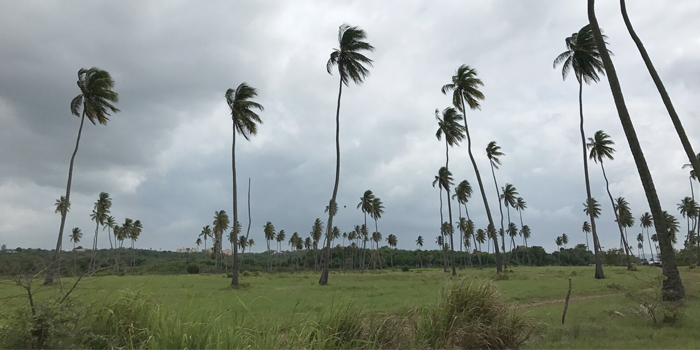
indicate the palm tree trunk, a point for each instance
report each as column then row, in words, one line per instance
column 94, row 244
column 442, row 220
column 500, row 207
column 54, row 259
column 324, row 275
column 234, row 265
column 672, row 288
column 499, row 267
column 461, row 234
column 478, row 255
column 651, row 248
column 449, row 210
column 591, row 215
column 687, row 147
column 617, row 217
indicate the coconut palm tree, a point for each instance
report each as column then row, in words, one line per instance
column 626, row 220
column 465, row 92
column 583, row 57
column 245, row 122
column 646, row 221
column 444, row 180
column 525, row 232
column 564, row 242
column 220, row 225
column 95, row 102
column 640, row 245
column 687, row 147
column 592, row 208
column 99, row 214
column 198, row 242
column 512, row 233
column 481, row 238
column 377, row 211
column 463, row 191
column 672, row 287
column 269, row 231
column 281, row 236
column 419, row 243
column 673, row 227
column 316, row 232
column 392, row 241
column 62, row 205
column 688, row 209
column 601, row 147
column 206, row 233
column 493, row 152
column 351, row 67
column 75, row 237
column 586, row 229
column 109, row 225
column 376, row 238
column 134, row 235
column 366, row 206
column 559, row 242
column 509, row 197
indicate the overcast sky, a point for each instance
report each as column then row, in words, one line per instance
column 166, row 157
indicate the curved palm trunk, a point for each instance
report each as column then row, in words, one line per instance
column 324, row 275
column 623, row 237
column 54, row 259
column 499, row 268
column 596, row 243
column 687, row 147
column 672, row 288
column 249, row 218
column 500, row 207
column 449, row 210
column 379, row 258
column 234, row 265
column 651, row 248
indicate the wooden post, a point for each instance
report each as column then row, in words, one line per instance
column 566, row 303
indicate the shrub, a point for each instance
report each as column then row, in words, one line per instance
column 405, row 269
column 692, row 266
column 193, row 269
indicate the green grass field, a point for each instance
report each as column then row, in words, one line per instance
column 600, row 314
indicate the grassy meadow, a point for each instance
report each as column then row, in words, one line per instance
column 600, row 314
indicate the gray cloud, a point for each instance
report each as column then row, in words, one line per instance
column 165, row 159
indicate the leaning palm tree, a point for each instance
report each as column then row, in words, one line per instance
column 687, row 147
column 601, row 148
column 366, row 206
column 521, row 205
column 582, row 55
column 493, row 152
column 509, row 197
column 419, row 243
column 672, row 288
column 512, row 233
column 646, row 221
column 586, row 229
column 465, row 92
column 95, row 102
column 453, row 132
column 245, row 122
column 688, row 209
column 351, row 67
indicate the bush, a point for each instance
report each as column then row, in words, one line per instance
column 193, row 269
column 405, row 269
column 692, row 266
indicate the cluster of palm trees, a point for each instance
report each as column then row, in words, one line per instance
column 560, row 241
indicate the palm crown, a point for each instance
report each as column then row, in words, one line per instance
column 465, row 87
column 509, row 195
column 347, row 56
column 601, row 146
column 245, row 120
column 443, row 179
column 449, row 126
column 493, row 151
column 582, row 56
column 463, row 192
column 96, row 95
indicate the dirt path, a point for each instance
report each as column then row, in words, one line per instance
column 572, row 299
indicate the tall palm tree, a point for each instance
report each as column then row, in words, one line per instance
column 392, row 241
column 525, row 232
column 444, row 180
column 640, row 239
column 134, row 235
column 99, row 214
column 419, row 243
column 512, row 233
column 509, row 197
column 688, row 209
column 206, row 233
column 687, row 147
column 316, row 232
column 586, row 229
column 672, row 288
column 465, row 92
column 75, row 237
column 281, row 236
column 366, row 206
column 220, row 225
column 582, row 55
column 377, row 211
column 559, row 243
column 564, row 242
column 601, row 147
column 198, row 242
column 493, row 152
column 269, row 231
column 463, row 191
column 351, row 67
column 521, row 205
column 646, row 221
column 245, row 122
column 481, row 238
column 95, row 102
column 109, row 225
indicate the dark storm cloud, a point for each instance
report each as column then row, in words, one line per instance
column 165, row 159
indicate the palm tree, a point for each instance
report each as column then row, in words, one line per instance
column 672, row 288
column 269, row 230
column 419, row 243
column 75, row 237
column 601, row 147
column 245, row 122
column 673, row 226
column 62, row 205
column 109, row 225
column 448, row 125
column 316, row 232
column 481, row 238
column 444, row 180
column 509, row 197
column 281, row 236
column 687, row 147
column 206, row 232
column 95, row 102
column 592, row 208
column 221, row 224
column 134, row 236
column 351, row 66
column 564, row 242
column 198, row 242
column 640, row 239
column 646, row 221
column 688, row 209
column 376, row 238
column 100, row 213
column 465, row 92
column 525, row 232
column 558, row 242
column 392, row 241
column 463, row 192
column 366, row 206
column 377, row 211
column 521, row 205
column 512, row 233
column 692, row 175
column 493, row 151
column 582, row 55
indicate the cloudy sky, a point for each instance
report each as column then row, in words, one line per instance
column 166, row 157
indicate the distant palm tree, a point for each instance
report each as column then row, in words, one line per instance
column 444, row 180
column 220, row 225
column 366, row 206
column 465, row 92
column 672, row 286
column 99, row 214
column 481, row 238
column 559, row 243
column 95, row 102
column 640, row 239
column 198, row 243
column 564, row 242
column 509, row 197
column 512, row 233
column 281, row 236
column 75, row 237
column 109, row 225
column 521, row 205
column 351, row 66
column 601, row 147
column 316, row 232
column 689, row 210
column 245, row 122
column 463, row 192
column 377, row 211
column 392, row 241
column 206, row 233
column 419, row 243
column 134, row 235
column 493, row 152
column 269, row 231
column 646, row 221
column 525, row 232
column 687, row 147
column 583, row 57
column 376, row 238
